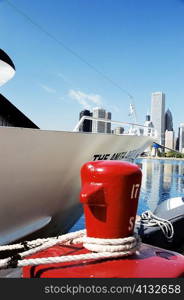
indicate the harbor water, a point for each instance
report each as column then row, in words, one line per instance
column 161, row 179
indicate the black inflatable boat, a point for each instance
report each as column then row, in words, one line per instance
column 169, row 234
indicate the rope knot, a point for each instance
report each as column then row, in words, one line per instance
column 127, row 245
column 149, row 219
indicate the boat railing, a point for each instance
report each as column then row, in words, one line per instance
column 131, row 128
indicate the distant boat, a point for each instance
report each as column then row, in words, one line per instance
column 7, row 68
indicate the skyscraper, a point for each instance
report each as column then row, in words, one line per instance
column 181, row 138
column 157, row 114
column 100, row 126
column 149, row 124
column 177, row 140
column 168, row 121
column 169, row 132
column 108, row 125
column 169, row 139
column 87, row 124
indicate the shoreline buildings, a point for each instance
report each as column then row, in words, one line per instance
column 118, row 130
column 96, row 126
column 159, row 119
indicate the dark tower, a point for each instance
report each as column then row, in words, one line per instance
column 178, row 140
column 147, row 117
column 87, row 124
column 168, row 121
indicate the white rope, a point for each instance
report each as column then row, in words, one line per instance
column 111, row 245
column 103, row 248
column 149, row 219
column 23, row 245
column 48, row 242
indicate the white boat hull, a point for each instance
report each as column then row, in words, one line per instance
column 40, row 174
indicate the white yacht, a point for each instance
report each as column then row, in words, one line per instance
column 40, row 171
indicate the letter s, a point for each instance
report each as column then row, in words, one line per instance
column 131, row 223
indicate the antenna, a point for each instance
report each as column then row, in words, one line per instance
column 133, row 112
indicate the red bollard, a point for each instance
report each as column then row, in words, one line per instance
column 110, row 192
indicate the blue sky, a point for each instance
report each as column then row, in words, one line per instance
column 64, row 50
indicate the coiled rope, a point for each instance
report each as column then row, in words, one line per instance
column 149, row 219
column 102, row 248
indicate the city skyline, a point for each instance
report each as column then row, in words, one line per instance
column 160, row 119
column 66, row 62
